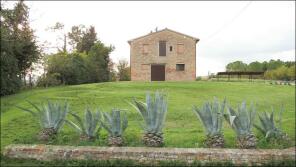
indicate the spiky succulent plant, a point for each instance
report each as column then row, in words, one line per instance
column 89, row 127
column 268, row 126
column 242, row 123
column 153, row 113
column 115, row 123
column 51, row 117
column 211, row 115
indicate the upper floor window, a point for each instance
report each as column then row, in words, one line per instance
column 162, row 48
column 145, row 48
column 180, row 48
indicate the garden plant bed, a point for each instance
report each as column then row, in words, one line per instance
column 149, row 155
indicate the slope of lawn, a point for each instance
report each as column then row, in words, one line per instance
column 182, row 128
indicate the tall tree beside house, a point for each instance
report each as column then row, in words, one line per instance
column 88, row 40
column 81, row 38
column 75, row 35
column 98, row 62
column 18, row 47
column 112, row 71
column 123, row 70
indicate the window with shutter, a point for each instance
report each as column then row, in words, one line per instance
column 162, row 48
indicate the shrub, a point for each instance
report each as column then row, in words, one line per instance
column 242, row 122
column 51, row 118
column 87, row 128
column 211, row 115
column 115, row 123
column 48, row 80
column 153, row 113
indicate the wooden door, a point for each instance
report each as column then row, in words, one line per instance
column 157, row 72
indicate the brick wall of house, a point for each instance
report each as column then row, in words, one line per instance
column 141, row 61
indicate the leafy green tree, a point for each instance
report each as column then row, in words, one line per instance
column 236, row 66
column 88, row 40
column 70, row 67
column 281, row 73
column 98, row 62
column 81, row 38
column 123, row 70
column 274, row 64
column 291, row 72
column 18, row 47
column 255, row 66
column 75, row 36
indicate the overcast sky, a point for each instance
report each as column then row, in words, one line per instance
column 228, row 31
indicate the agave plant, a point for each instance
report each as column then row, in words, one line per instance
column 211, row 115
column 87, row 128
column 51, row 117
column 153, row 113
column 242, row 122
column 268, row 127
column 115, row 124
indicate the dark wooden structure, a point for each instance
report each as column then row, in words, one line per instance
column 157, row 72
column 240, row 73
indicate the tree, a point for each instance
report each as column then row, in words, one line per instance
column 123, row 70
column 70, row 68
column 98, row 62
column 59, row 27
column 82, row 39
column 291, row 72
column 18, row 47
column 255, row 66
column 274, row 64
column 236, row 66
column 75, row 36
column 88, row 40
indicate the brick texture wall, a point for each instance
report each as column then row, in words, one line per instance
column 149, row 155
column 141, row 61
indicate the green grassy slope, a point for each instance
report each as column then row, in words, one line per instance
column 182, row 129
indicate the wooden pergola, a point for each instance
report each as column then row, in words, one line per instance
column 240, row 73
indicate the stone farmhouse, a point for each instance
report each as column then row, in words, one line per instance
column 164, row 55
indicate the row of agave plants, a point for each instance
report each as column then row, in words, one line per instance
column 53, row 115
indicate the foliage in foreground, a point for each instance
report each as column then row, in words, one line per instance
column 51, row 118
column 115, row 123
column 242, row 122
column 211, row 115
column 87, row 127
column 154, row 113
column 268, row 126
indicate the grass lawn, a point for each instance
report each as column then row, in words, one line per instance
column 182, row 128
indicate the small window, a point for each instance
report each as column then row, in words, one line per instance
column 171, row 48
column 180, row 67
column 180, row 48
column 145, row 48
column 162, row 48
